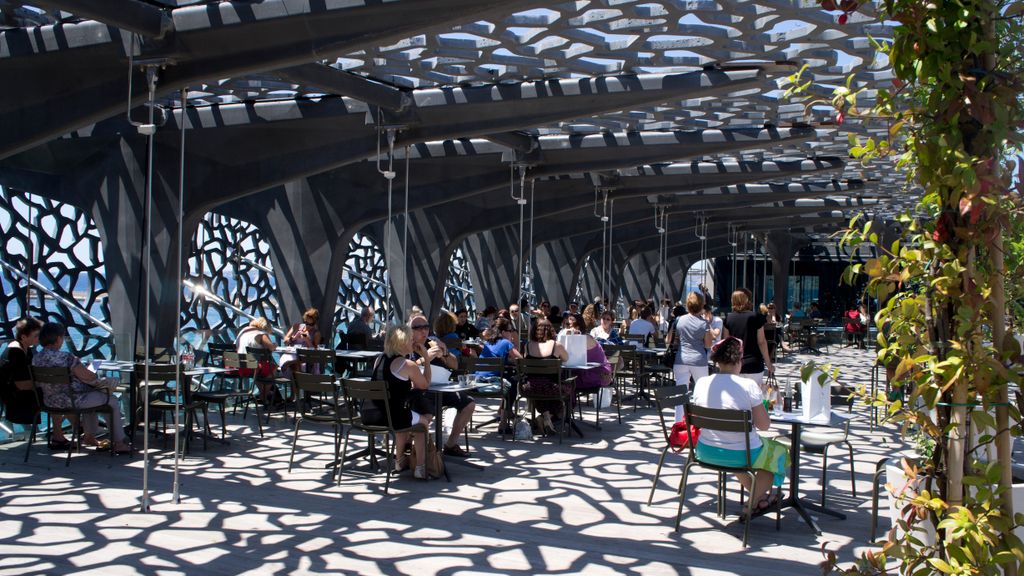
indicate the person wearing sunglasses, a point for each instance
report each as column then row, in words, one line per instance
column 463, row 403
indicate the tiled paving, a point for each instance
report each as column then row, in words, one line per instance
column 538, row 507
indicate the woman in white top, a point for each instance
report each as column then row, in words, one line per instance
column 570, row 326
column 729, row 390
column 605, row 331
column 257, row 335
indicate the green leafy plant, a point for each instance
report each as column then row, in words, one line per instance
column 951, row 276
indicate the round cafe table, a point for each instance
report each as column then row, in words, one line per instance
column 797, row 422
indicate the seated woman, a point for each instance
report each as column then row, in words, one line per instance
column 408, row 403
column 257, row 335
column 84, row 392
column 498, row 344
column 543, row 345
column 729, row 390
column 444, row 328
column 597, row 377
column 570, row 326
column 17, row 394
column 305, row 334
column 606, row 332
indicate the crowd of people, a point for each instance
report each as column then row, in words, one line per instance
column 413, row 349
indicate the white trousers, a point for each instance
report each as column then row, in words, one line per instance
column 683, row 372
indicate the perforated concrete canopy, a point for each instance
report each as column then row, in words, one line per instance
column 678, row 104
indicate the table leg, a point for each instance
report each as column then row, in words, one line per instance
column 793, row 499
column 438, row 412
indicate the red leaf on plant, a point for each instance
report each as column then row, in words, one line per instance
column 897, row 83
column 843, row 18
column 828, row 4
column 840, row 117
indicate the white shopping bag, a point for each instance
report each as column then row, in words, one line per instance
column 576, row 346
column 816, row 392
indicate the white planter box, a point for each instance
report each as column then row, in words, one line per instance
column 901, row 490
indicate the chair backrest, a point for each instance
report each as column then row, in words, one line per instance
column 546, row 367
column 720, row 420
column 322, row 358
column 161, row 375
column 477, row 364
column 668, row 397
column 59, row 376
column 234, row 359
column 55, row 376
column 636, row 339
column 315, row 383
column 216, row 350
column 261, row 354
column 359, row 391
column 157, row 354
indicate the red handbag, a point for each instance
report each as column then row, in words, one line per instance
column 681, row 435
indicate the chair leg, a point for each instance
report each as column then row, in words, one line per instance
column 295, row 440
column 618, row 400
column 657, row 474
column 222, row 408
column 750, row 510
column 682, row 495
column 339, row 470
column 853, row 479
column 879, row 469
column 824, row 474
column 259, row 415
column 391, row 459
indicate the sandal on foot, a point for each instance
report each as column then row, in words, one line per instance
column 59, row 445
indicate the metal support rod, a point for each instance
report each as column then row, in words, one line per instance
column 148, row 232
column 205, row 293
column 179, row 385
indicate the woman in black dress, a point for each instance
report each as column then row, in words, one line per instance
column 21, row 403
column 748, row 326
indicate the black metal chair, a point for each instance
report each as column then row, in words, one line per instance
column 233, row 386
column 666, row 398
column 550, row 369
column 164, row 399
column 356, row 393
column 327, row 410
column 62, row 377
column 723, row 421
column 500, row 390
column 268, row 381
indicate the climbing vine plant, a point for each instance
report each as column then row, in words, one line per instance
column 954, row 116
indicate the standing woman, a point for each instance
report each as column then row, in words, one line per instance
column 748, row 326
column 694, row 334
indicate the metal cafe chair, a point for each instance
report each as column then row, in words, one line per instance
column 232, row 386
column 62, row 377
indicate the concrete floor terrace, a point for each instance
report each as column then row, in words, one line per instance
column 538, row 508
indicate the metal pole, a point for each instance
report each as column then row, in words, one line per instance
column 175, row 494
column 148, row 230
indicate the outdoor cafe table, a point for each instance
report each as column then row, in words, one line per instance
column 797, row 421
column 439, row 389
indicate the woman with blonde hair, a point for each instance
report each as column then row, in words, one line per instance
column 257, row 335
column 748, row 326
column 408, row 402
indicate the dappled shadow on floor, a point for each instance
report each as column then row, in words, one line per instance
column 538, row 507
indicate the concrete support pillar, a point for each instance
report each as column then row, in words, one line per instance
column 781, row 248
